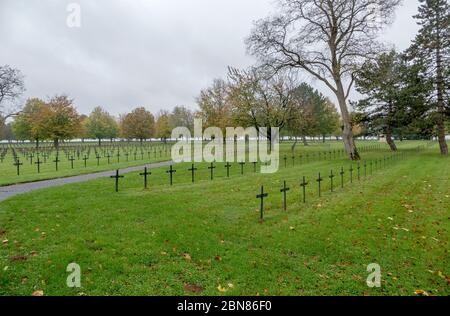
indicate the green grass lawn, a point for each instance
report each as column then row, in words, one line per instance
column 207, row 236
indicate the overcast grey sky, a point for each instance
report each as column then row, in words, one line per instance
column 129, row 53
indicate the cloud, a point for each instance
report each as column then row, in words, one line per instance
column 155, row 53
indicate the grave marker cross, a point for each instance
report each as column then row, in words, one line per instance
column 117, row 177
column 38, row 163
column 85, row 158
column 171, row 171
column 331, row 179
column 145, row 174
column 18, row 164
column 71, row 159
column 351, row 174
column 319, row 180
column 56, row 161
column 228, row 166
column 242, row 167
column 303, row 185
column 284, row 190
column 262, row 196
column 211, row 168
column 342, row 177
column 192, row 170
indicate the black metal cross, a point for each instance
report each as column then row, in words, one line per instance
column 211, row 168
column 108, row 156
column 71, row 159
column 97, row 156
column 262, row 196
column 319, row 180
column 117, row 177
column 342, row 173
column 331, row 176
column 85, row 158
column 359, row 171
column 228, row 166
column 284, row 190
column 145, row 174
column 254, row 166
column 17, row 163
column 56, row 161
column 303, row 185
column 171, row 171
column 285, row 161
column 38, row 163
column 192, row 170
column 242, row 163
column 351, row 174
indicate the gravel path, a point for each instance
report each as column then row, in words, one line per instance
column 12, row 190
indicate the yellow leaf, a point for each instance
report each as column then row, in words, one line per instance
column 221, row 289
column 38, row 293
column 421, row 293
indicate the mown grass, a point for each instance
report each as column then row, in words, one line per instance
column 207, row 236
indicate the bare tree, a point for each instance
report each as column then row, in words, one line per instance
column 261, row 101
column 329, row 39
column 11, row 87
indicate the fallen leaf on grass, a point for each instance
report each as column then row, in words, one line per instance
column 5, row 241
column 421, row 293
column 18, row 258
column 218, row 258
column 221, row 289
column 163, row 253
column 38, row 293
column 193, row 288
column 187, row 257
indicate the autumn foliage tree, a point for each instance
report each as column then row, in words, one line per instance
column 101, row 125
column 139, row 124
column 62, row 121
column 163, row 130
column 31, row 123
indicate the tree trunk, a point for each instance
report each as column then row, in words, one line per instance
column 37, row 143
column 99, row 142
column 56, row 143
column 305, row 142
column 347, row 133
column 390, row 141
column 440, row 102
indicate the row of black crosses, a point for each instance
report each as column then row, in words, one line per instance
column 40, row 158
column 370, row 166
column 362, row 170
column 73, row 156
column 171, row 171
